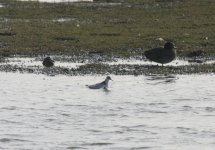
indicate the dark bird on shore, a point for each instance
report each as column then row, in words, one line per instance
column 100, row 85
column 48, row 62
column 162, row 55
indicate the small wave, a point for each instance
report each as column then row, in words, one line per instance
column 6, row 140
column 108, row 115
column 11, row 122
column 141, row 148
column 154, row 111
column 186, row 108
column 95, row 131
column 186, row 130
column 67, row 115
column 184, row 99
column 71, row 105
column 155, row 104
column 210, row 109
column 98, row 144
column 74, row 148
column 9, row 108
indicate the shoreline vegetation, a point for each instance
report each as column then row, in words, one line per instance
column 109, row 28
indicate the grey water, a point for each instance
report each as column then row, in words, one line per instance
column 153, row 112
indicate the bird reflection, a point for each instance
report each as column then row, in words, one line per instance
column 162, row 78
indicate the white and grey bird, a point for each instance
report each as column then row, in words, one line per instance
column 101, row 85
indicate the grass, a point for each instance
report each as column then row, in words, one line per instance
column 33, row 28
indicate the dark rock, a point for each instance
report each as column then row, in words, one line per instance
column 7, row 34
column 67, row 39
column 195, row 61
column 198, row 53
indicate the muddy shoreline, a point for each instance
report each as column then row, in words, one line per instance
column 95, row 65
column 96, row 36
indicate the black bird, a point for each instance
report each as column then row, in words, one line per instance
column 162, row 55
column 48, row 62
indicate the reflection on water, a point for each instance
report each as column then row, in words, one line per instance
column 162, row 78
column 140, row 112
column 177, row 62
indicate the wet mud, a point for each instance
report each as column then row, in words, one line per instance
column 96, row 64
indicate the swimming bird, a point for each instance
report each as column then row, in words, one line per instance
column 162, row 55
column 48, row 62
column 100, row 85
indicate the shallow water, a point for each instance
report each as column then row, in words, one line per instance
column 70, row 62
column 144, row 112
column 37, row 62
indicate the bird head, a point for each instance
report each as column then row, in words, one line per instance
column 108, row 78
column 169, row 45
column 49, row 59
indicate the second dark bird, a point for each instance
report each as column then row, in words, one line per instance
column 162, row 55
column 48, row 62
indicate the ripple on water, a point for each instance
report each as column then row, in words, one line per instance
column 97, row 144
column 7, row 140
column 135, row 114
column 75, row 147
column 210, row 109
column 9, row 108
column 184, row 130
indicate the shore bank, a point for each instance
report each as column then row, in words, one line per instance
column 121, row 29
column 73, row 66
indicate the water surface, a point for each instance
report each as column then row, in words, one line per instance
column 145, row 112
